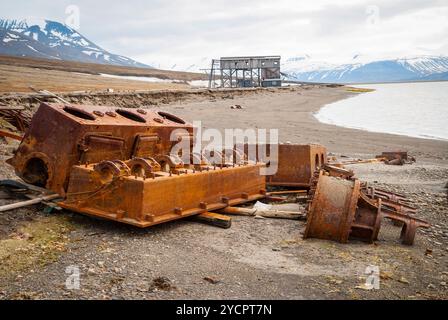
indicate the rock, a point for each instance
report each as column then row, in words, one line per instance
column 91, row 271
column 211, row 280
column 161, row 283
column 403, row 280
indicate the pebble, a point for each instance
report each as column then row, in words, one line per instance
column 91, row 271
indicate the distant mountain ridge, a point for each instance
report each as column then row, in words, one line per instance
column 54, row 40
column 418, row 68
column 360, row 69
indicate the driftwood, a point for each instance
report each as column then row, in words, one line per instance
column 28, row 202
column 4, row 133
column 272, row 213
column 288, row 192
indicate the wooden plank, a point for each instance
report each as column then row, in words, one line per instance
column 12, row 108
column 11, row 135
column 214, row 219
column 26, row 203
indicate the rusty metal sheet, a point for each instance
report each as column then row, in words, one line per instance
column 296, row 163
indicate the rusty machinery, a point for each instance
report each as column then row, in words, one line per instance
column 342, row 207
column 115, row 163
column 295, row 163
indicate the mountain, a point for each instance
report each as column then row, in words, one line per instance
column 419, row 68
column 197, row 64
column 54, row 40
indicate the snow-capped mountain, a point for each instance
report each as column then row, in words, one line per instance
column 189, row 65
column 361, row 69
column 54, row 40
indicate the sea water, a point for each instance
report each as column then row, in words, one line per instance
column 418, row 109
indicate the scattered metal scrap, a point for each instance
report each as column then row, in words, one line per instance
column 396, row 158
column 342, row 207
column 388, row 157
column 116, row 164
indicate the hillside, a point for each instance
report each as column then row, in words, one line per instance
column 18, row 74
column 55, row 41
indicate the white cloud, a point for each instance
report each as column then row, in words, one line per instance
column 182, row 32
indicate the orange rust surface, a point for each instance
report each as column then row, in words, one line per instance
column 332, row 210
column 116, row 164
column 148, row 201
column 296, row 163
column 61, row 136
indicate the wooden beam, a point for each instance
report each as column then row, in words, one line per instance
column 215, row 219
column 26, row 203
column 11, row 135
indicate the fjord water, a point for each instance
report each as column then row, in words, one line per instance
column 417, row 109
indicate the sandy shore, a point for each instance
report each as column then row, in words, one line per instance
column 292, row 114
column 255, row 258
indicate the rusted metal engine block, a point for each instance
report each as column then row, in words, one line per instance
column 115, row 163
column 61, row 136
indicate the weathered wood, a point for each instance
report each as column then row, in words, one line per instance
column 11, row 135
column 281, row 214
column 214, row 219
column 287, row 192
column 238, row 211
column 12, row 108
column 27, row 202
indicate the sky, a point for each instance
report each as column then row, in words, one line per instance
column 182, row 32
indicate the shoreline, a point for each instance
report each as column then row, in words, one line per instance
column 292, row 113
column 371, row 131
column 113, row 257
column 383, row 111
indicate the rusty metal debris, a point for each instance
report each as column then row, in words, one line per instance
column 116, row 164
column 342, row 207
column 61, row 136
column 296, row 163
column 332, row 209
column 397, row 158
column 388, row 157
